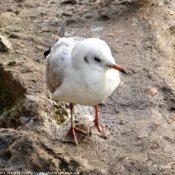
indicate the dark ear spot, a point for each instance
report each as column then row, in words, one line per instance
column 86, row 60
column 46, row 53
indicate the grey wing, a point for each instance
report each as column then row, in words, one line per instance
column 57, row 61
column 51, row 80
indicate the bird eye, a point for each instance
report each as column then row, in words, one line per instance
column 97, row 59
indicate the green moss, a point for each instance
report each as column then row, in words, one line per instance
column 60, row 113
column 12, row 95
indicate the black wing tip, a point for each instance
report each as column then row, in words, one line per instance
column 46, row 53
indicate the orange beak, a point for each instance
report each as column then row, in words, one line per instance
column 117, row 67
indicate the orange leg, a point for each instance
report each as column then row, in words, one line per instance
column 74, row 133
column 100, row 129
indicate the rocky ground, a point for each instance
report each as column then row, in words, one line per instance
column 140, row 113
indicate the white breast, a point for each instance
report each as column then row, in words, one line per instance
column 86, row 88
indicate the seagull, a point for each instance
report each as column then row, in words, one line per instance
column 81, row 71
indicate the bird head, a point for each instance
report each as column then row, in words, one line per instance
column 94, row 54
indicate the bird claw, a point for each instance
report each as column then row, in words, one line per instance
column 99, row 129
column 74, row 135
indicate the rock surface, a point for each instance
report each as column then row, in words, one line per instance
column 5, row 45
column 141, row 34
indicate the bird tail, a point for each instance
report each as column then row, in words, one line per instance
column 61, row 32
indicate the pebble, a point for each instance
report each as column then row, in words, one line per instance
column 40, row 48
column 67, row 13
column 96, row 29
column 152, row 91
column 126, row 43
column 90, row 117
column 171, row 13
column 165, row 167
column 97, row 2
column 104, row 159
column 157, row 123
column 111, row 34
column 20, row 45
column 5, row 44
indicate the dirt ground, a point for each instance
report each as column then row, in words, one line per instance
column 140, row 113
